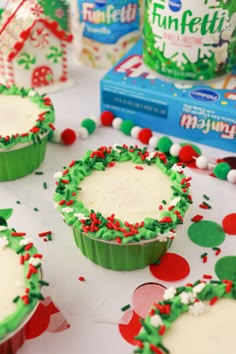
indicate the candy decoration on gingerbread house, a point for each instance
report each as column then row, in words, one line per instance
column 33, row 47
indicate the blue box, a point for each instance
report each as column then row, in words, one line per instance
column 202, row 113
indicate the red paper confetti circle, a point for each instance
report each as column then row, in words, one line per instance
column 229, row 224
column 130, row 326
column 172, row 267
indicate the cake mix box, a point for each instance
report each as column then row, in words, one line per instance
column 203, row 113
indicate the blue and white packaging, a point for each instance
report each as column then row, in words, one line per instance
column 203, row 113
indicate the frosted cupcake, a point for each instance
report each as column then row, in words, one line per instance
column 21, row 285
column 26, row 119
column 198, row 318
column 123, row 204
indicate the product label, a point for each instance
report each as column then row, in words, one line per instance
column 107, row 21
column 190, row 39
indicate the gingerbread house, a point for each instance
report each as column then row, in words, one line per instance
column 33, row 47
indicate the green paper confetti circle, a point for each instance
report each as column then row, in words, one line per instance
column 225, row 268
column 206, row 233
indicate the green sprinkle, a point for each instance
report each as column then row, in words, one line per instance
column 38, row 173
column 16, row 299
column 157, row 262
column 49, row 237
column 216, row 248
column 17, row 202
column 31, row 284
column 204, row 255
column 206, row 204
column 163, row 348
column 36, row 209
column 164, row 202
column 206, row 197
column 20, row 249
column 45, row 185
column 126, row 307
column 43, row 282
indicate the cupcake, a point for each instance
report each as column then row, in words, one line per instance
column 26, row 119
column 187, row 322
column 123, row 204
column 21, row 285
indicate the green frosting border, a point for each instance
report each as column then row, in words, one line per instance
column 93, row 223
column 150, row 338
column 43, row 123
column 33, row 282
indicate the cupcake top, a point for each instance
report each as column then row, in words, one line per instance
column 25, row 116
column 123, row 194
column 187, row 322
column 21, row 283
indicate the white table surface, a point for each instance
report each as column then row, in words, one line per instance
column 93, row 307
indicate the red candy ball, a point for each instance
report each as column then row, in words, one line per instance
column 107, row 118
column 68, row 136
column 144, row 135
column 187, row 154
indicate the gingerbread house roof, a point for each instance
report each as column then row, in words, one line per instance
column 16, row 24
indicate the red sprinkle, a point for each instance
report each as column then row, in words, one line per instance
column 213, row 300
column 28, row 246
column 18, row 234
column 229, row 285
column 162, row 330
column 139, row 168
column 197, row 218
column 81, row 278
column 207, row 276
column 155, row 349
column 203, row 206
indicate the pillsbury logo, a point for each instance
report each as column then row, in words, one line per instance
column 175, row 5
column 204, row 95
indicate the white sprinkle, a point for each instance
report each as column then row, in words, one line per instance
column 198, row 308
column 67, row 210
column 169, row 293
column 25, row 241
column 3, row 242
column 156, row 320
column 34, row 261
column 58, row 174
column 186, row 297
column 81, row 216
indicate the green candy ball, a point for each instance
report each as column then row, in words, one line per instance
column 221, row 170
column 126, row 127
column 164, row 144
column 89, row 124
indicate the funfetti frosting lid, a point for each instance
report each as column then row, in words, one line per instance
column 26, row 116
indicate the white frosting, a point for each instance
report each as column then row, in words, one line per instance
column 11, row 275
column 131, row 194
column 211, row 332
column 18, row 115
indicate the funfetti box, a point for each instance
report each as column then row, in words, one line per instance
column 205, row 113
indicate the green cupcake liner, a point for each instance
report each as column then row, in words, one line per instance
column 121, row 256
column 17, row 163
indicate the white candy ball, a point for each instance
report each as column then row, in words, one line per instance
column 202, row 162
column 231, row 176
column 116, row 123
column 153, row 142
column 135, row 131
column 175, row 149
column 82, row 133
column 56, row 137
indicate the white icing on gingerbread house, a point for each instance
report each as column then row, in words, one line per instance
column 33, row 47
